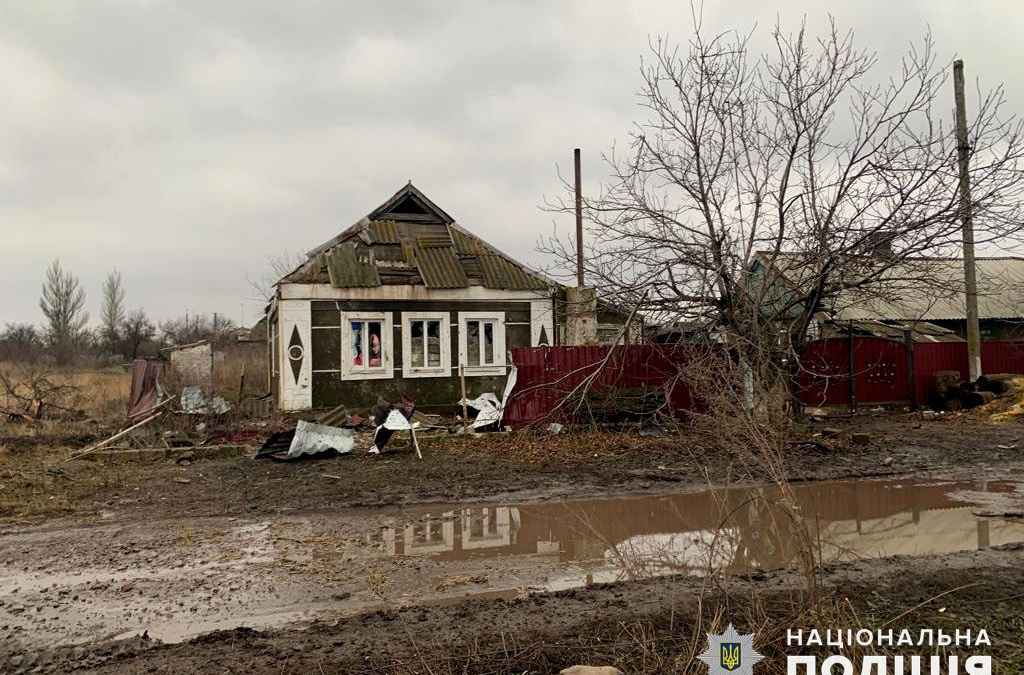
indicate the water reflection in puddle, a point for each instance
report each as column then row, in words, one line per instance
column 732, row 530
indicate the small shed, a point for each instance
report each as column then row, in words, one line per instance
column 192, row 363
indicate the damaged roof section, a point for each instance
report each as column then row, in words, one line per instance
column 410, row 240
column 346, row 270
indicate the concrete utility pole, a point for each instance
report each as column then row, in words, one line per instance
column 970, row 272
column 579, row 218
column 581, row 318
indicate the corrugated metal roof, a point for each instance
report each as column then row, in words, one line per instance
column 918, row 289
column 347, row 271
column 434, row 241
column 440, row 268
column 932, row 290
column 500, row 273
column 383, row 231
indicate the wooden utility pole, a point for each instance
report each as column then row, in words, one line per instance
column 579, row 218
column 970, row 272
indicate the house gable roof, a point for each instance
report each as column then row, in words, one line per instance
column 410, row 240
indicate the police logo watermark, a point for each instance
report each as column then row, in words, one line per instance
column 730, row 653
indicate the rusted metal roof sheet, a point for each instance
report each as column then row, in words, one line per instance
column 440, row 268
column 500, row 273
column 347, row 271
column 383, row 231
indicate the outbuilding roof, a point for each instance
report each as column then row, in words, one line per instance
column 919, row 289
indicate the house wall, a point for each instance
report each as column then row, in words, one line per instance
column 317, row 322
column 330, row 390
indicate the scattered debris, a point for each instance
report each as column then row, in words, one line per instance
column 395, row 421
column 488, row 411
column 316, row 439
column 341, row 417
column 145, row 394
column 1009, row 402
column 194, row 402
column 590, row 670
column 464, row 580
column 277, row 446
column 120, row 434
column 387, row 419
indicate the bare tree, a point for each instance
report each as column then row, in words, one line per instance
column 278, row 266
column 186, row 329
column 798, row 160
column 63, row 305
column 20, row 342
column 137, row 329
column 112, row 311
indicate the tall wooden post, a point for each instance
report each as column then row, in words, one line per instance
column 850, row 364
column 579, row 217
column 908, row 342
column 970, row 279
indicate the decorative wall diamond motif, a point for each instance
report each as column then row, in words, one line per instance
column 295, row 353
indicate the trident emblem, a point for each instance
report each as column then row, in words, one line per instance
column 730, row 653
column 730, row 659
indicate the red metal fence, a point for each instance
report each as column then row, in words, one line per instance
column 548, row 374
column 882, row 373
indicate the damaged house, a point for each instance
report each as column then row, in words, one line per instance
column 397, row 304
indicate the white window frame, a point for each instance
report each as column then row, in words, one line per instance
column 443, row 370
column 349, row 371
column 500, row 347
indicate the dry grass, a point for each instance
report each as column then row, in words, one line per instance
column 100, row 394
column 669, row 644
column 104, row 392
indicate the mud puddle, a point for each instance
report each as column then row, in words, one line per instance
column 177, row 580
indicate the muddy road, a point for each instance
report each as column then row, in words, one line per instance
column 167, row 567
column 68, row 586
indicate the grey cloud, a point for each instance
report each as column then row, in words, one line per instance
column 183, row 142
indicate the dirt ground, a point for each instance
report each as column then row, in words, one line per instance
column 75, row 535
column 37, row 483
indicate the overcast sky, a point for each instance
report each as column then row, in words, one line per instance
column 184, row 142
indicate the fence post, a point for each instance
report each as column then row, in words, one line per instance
column 852, row 373
column 908, row 341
